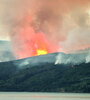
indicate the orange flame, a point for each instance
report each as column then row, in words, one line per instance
column 41, row 45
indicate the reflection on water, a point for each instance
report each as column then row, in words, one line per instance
column 42, row 96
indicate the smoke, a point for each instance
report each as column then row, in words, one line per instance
column 62, row 24
column 88, row 58
column 79, row 32
column 5, row 51
column 72, row 58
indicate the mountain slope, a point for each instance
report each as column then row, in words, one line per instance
column 46, row 78
column 73, row 58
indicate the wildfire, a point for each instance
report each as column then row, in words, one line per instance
column 30, row 43
column 41, row 45
column 41, row 52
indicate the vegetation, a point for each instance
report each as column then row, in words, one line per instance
column 45, row 78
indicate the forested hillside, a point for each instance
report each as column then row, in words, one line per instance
column 45, row 78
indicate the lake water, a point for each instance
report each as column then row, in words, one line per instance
column 43, row 96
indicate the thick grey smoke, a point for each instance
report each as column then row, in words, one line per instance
column 50, row 16
column 78, row 38
column 72, row 58
column 78, row 30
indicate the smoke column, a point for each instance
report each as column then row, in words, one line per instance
column 45, row 26
column 88, row 58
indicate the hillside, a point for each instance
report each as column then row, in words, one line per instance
column 45, row 77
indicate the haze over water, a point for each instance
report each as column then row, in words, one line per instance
column 43, row 96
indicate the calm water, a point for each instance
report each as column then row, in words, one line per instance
column 42, row 96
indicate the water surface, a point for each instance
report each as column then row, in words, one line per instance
column 42, row 96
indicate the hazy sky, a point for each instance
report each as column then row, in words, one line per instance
column 3, row 28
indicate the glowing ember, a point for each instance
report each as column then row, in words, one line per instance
column 41, row 52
